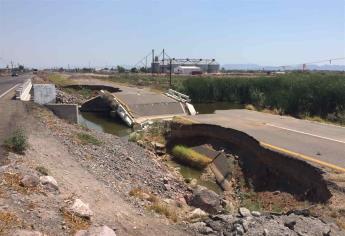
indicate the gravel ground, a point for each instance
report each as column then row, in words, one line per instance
column 121, row 164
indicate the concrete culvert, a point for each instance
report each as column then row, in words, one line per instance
column 262, row 169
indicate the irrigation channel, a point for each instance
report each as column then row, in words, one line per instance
column 238, row 162
column 104, row 123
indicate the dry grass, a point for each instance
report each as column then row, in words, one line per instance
column 142, row 194
column 337, row 177
column 13, row 180
column 341, row 222
column 74, row 222
column 9, row 221
column 182, row 120
column 190, row 157
column 250, row 107
column 164, row 209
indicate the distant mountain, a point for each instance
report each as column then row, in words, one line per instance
column 260, row 67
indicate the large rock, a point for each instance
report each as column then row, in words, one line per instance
column 29, row 181
column 49, row 181
column 197, row 213
column 96, row 231
column 81, row 209
column 244, row 212
column 206, row 200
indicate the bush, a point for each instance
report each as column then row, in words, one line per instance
column 85, row 138
column 17, row 142
column 164, row 209
column 297, row 94
column 190, row 157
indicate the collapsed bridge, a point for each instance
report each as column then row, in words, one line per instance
column 136, row 106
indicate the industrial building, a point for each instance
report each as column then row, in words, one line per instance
column 164, row 64
column 187, row 70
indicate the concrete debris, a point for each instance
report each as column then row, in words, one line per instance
column 256, row 213
column 81, row 209
column 29, row 181
column 49, row 181
column 197, row 213
column 96, row 231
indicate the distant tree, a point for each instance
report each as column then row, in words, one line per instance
column 134, row 70
column 121, row 69
column 21, row 67
column 143, row 70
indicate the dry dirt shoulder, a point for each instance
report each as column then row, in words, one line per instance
column 41, row 210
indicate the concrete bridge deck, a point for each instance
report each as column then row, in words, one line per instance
column 145, row 104
column 141, row 104
column 322, row 144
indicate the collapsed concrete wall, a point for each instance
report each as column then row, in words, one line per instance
column 265, row 169
column 65, row 111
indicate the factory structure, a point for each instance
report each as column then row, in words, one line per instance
column 162, row 63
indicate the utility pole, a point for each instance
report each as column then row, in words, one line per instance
column 153, row 60
column 170, row 72
column 163, row 61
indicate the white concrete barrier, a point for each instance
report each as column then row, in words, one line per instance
column 23, row 91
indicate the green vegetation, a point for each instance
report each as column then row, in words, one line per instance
column 297, row 94
column 17, row 142
column 190, row 157
column 58, row 79
column 42, row 170
column 84, row 92
column 159, row 82
column 85, row 138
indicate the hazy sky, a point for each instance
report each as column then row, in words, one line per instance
column 268, row 32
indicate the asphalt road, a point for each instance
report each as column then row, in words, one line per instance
column 319, row 143
column 8, row 82
column 10, row 110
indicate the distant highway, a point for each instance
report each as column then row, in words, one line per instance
column 8, row 83
column 321, row 144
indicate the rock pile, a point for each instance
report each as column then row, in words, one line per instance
column 255, row 223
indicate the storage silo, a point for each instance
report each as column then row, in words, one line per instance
column 213, row 67
column 174, row 64
column 203, row 65
column 155, row 66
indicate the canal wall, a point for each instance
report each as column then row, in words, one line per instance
column 68, row 112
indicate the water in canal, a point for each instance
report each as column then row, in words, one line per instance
column 104, row 123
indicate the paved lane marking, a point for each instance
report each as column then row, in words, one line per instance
column 304, row 157
column 9, row 90
column 305, row 133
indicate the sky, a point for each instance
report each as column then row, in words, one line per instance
column 52, row 33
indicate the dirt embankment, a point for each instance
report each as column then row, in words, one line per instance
column 100, row 169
